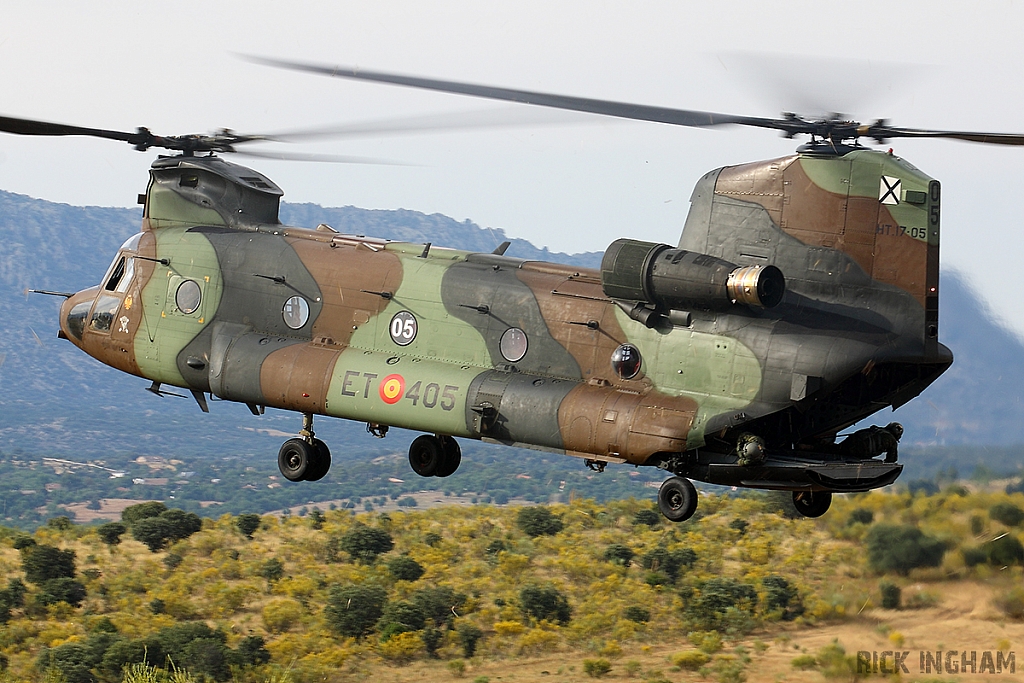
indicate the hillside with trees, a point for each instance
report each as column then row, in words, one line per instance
column 558, row 593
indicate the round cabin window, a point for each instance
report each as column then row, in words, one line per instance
column 188, row 296
column 295, row 312
column 513, row 344
column 626, row 361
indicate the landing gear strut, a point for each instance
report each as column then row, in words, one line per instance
column 306, row 458
column 812, row 503
column 434, row 456
column 677, row 499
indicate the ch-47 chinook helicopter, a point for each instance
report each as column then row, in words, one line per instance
column 802, row 297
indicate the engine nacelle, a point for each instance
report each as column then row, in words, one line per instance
column 676, row 279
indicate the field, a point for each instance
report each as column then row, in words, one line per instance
column 571, row 592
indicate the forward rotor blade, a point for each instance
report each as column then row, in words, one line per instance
column 625, row 110
column 885, row 132
column 29, row 127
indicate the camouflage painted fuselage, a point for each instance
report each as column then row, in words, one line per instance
column 402, row 335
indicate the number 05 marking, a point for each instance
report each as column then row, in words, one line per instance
column 403, row 328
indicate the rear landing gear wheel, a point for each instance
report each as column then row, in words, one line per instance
column 426, row 455
column 296, row 459
column 452, row 457
column 677, row 499
column 321, row 461
column 812, row 503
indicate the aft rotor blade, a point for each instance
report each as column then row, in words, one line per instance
column 324, row 158
column 886, row 132
column 625, row 110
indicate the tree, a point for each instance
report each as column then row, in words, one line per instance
column 1007, row 513
column 73, row 660
column 111, row 532
column 252, row 651
column 365, row 543
column 404, row 568
column 660, row 559
column 399, row 617
column 646, row 517
column 545, row 602
column 890, row 595
column 468, row 637
column 248, row 524
column 209, row 657
column 902, row 548
column 153, row 532
column 182, row 524
column 63, row 589
column 1005, row 551
column 353, row 610
column 637, row 614
column 538, row 521
column 619, row 554
column 43, row 562
column 272, row 570
column 860, row 516
column 721, row 603
column 134, row 513
column 439, row 604
column 781, row 595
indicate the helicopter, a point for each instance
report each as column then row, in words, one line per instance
column 801, row 298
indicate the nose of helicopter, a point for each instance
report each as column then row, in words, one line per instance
column 74, row 312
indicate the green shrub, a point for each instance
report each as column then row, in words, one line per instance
column 619, row 554
column 248, row 524
column 782, row 596
column 43, row 562
column 133, row 513
column 468, row 636
column 404, row 568
column 804, row 662
column 538, row 521
column 353, row 610
column 1006, row 513
column 646, row 517
column 365, row 543
column 545, row 602
column 974, row 556
column 723, row 604
column 690, row 660
column 899, row 549
column 399, row 617
column 596, row 668
column 1005, row 551
column 1012, row 603
column 890, row 595
column 111, row 532
column 860, row 516
column 61, row 590
column 438, row 604
column 637, row 614
column 669, row 563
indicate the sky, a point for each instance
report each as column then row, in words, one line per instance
column 572, row 183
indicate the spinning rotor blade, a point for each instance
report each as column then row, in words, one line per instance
column 324, row 158
column 831, row 128
column 29, row 127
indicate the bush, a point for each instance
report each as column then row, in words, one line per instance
column 545, row 602
column 353, row 610
column 890, row 595
column 646, row 517
column 1012, row 603
column 404, row 568
column 365, row 543
column 782, row 596
column 596, row 668
column 272, row 570
column 247, row 524
column 1006, row 513
column 134, row 513
column 468, row 636
column 152, row 532
column 723, row 603
column 61, row 590
column 670, row 563
column 804, row 662
column 438, row 604
column 860, row 516
column 739, row 524
column 182, row 524
column 691, row 660
column 73, row 660
column 1005, row 551
column 400, row 617
column 42, row 563
column 280, row 614
column 111, row 532
column 637, row 614
column 902, row 548
column 252, row 651
column 974, row 556
column 207, row 657
column 619, row 554
column 538, row 521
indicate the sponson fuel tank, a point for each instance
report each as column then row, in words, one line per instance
column 672, row 278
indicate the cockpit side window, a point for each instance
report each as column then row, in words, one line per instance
column 116, row 276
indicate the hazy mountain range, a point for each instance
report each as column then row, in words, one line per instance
column 56, row 400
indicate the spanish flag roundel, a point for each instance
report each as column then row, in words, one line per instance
column 391, row 389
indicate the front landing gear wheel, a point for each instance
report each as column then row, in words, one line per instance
column 426, row 455
column 321, row 461
column 452, row 457
column 295, row 459
column 677, row 499
column 812, row 503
